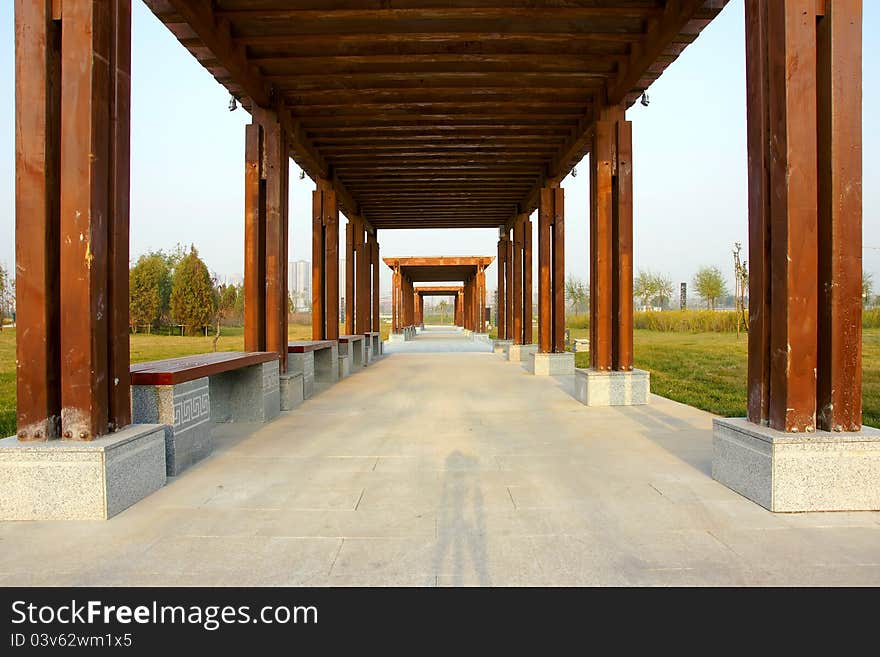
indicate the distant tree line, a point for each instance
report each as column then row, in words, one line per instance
column 176, row 289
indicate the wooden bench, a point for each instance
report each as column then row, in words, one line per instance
column 352, row 353
column 190, row 393
column 316, row 360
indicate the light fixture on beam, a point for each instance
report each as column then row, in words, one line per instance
column 233, row 104
column 645, row 100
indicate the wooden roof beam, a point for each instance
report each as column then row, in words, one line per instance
column 661, row 31
column 215, row 34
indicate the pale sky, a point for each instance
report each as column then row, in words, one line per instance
column 689, row 161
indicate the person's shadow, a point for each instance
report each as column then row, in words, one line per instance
column 461, row 529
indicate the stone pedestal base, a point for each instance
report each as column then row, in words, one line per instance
column 327, row 364
column 481, row 337
column 521, row 352
column 71, row 480
column 501, row 346
column 595, row 388
column 185, row 410
column 344, row 365
column 797, row 472
column 291, row 387
column 368, row 351
column 304, row 365
column 552, row 364
column 374, row 341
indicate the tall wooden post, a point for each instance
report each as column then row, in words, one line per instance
column 325, row 263
column 501, row 304
column 37, row 218
column 611, row 312
column 350, row 251
column 527, row 282
column 362, row 280
column 803, row 73
column 78, row 160
column 275, row 173
column 551, row 270
column 508, row 288
column 254, row 240
column 374, row 254
column 517, row 289
column 394, row 326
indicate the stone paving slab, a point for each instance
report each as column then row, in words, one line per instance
column 450, row 469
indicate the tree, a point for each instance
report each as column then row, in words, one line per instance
column 7, row 294
column 577, row 294
column 444, row 306
column 665, row 289
column 148, row 282
column 227, row 297
column 741, row 282
column 710, row 285
column 867, row 287
column 645, row 288
column 193, row 302
column 239, row 301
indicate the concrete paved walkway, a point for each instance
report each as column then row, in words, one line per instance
column 439, row 339
column 430, row 469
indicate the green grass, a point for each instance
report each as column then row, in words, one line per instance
column 706, row 370
column 7, row 382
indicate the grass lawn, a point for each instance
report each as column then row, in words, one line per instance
column 706, row 370
column 143, row 347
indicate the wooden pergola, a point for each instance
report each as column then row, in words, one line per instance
column 454, row 291
column 437, row 114
column 406, row 308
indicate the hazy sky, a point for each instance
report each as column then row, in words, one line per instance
column 689, row 161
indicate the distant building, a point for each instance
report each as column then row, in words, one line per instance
column 299, row 284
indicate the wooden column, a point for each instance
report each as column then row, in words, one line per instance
column 350, row 230
column 483, row 299
column 37, row 218
column 408, row 298
column 325, row 263
column 118, row 209
column 501, row 303
column 275, row 171
column 517, row 289
column 508, row 288
column 394, row 311
column 254, row 240
column 362, row 281
column 528, row 337
column 466, row 298
column 611, row 272
column 72, row 144
column 551, row 270
column 803, row 73
column 374, row 253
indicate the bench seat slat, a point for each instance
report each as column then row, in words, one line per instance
column 302, row 346
column 171, row 371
